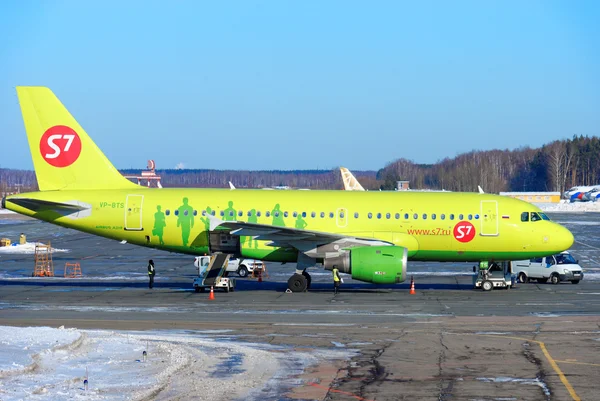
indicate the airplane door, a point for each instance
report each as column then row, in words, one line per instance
column 133, row 212
column 341, row 217
column 489, row 218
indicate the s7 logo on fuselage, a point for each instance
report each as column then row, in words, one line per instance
column 60, row 146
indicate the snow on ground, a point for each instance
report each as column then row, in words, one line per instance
column 27, row 248
column 570, row 207
column 6, row 211
column 42, row 363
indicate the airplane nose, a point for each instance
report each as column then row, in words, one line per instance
column 565, row 238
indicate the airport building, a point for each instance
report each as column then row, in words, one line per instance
column 534, row 197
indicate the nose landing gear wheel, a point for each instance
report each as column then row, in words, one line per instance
column 297, row 283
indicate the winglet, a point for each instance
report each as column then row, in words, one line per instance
column 214, row 220
column 231, row 186
column 480, row 189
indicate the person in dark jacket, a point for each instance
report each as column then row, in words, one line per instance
column 151, row 273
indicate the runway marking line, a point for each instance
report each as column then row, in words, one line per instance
column 340, row 392
column 579, row 363
column 553, row 363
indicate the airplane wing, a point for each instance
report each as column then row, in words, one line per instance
column 303, row 240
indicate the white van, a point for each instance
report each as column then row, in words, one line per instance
column 557, row 268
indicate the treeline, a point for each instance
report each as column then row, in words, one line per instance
column 556, row 166
column 553, row 167
column 311, row 179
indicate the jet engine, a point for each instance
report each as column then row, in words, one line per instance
column 372, row 264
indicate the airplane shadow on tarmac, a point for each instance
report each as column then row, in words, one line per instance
column 241, row 285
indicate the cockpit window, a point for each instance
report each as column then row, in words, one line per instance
column 544, row 216
column 525, row 216
column 535, row 216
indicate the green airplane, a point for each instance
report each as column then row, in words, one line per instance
column 370, row 235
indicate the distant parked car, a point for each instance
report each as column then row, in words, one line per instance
column 556, row 268
column 242, row 267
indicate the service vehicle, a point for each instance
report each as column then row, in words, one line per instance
column 493, row 275
column 222, row 281
column 556, row 268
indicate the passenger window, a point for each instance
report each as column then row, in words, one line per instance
column 249, row 214
column 303, row 214
column 195, row 213
column 240, row 213
column 356, row 215
column 341, row 215
column 167, row 212
column 331, row 215
column 524, row 216
column 433, row 216
column 387, row 215
column 212, row 212
column 397, row 216
column 424, row 216
column 313, row 214
column 231, row 213
column 415, row 216
column 276, row 214
column 370, row 215
column 405, row 216
column 322, row 214
column 443, row 216
column 268, row 214
column 378, row 215
column 176, row 212
column 476, row 217
column 285, row 214
column 470, row 217
column 295, row 214
column 222, row 213
column 451, row 217
column 460, row 216
column 258, row 213
column 185, row 212
column 204, row 213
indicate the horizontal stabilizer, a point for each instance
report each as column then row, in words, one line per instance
column 38, row 205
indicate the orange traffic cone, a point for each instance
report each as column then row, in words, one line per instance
column 211, row 297
column 412, row 286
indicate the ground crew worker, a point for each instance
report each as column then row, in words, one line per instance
column 336, row 280
column 151, row 273
column 22, row 239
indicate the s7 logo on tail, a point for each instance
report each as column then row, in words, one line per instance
column 60, row 146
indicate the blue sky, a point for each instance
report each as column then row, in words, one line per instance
column 306, row 84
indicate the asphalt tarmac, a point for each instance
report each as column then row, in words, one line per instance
column 446, row 342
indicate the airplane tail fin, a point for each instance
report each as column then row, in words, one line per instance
column 64, row 156
column 350, row 182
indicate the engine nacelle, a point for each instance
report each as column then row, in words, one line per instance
column 372, row 264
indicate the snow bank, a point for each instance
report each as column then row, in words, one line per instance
column 44, row 363
column 26, row 249
column 6, row 211
column 570, row 207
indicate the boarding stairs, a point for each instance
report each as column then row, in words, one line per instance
column 216, row 268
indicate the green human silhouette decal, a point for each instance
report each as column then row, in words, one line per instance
column 159, row 225
column 201, row 239
column 278, row 217
column 185, row 220
column 300, row 222
column 253, row 218
column 229, row 213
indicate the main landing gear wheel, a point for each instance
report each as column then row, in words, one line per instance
column 308, row 279
column 297, row 283
column 487, row 285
